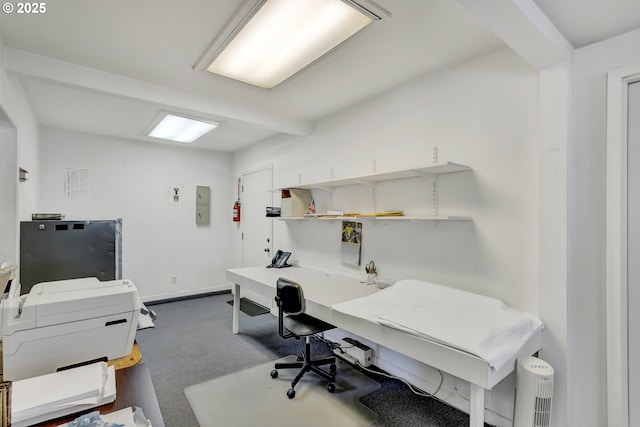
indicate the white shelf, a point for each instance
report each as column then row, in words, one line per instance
column 434, row 169
column 423, row 218
column 377, row 218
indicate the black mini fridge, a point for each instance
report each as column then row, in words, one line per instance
column 59, row 250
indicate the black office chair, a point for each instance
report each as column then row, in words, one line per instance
column 296, row 323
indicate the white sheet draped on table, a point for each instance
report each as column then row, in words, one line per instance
column 477, row 324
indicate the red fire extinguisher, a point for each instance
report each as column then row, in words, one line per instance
column 236, row 205
column 236, row 211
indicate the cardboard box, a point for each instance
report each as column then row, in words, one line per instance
column 295, row 202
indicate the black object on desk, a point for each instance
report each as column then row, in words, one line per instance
column 280, row 260
column 273, row 212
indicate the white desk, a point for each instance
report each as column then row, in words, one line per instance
column 322, row 290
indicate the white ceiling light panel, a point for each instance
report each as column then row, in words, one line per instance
column 282, row 37
column 180, row 129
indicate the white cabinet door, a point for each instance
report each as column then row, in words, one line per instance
column 633, row 247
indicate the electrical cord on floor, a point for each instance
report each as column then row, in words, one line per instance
column 413, row 390
column 337, row 346
column 330, row 344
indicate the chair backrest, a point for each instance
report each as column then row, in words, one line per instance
column 289, row 296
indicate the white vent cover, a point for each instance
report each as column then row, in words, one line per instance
column 534, row 390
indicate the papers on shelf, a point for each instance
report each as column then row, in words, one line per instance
column 54, row 395
column 336, row 214
column 328, row 214
column 387, row 213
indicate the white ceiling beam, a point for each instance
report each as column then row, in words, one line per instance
column 31, row 65
column 524, row 28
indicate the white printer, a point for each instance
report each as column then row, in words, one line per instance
column 65, row 323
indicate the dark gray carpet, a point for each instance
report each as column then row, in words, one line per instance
column 192, row 343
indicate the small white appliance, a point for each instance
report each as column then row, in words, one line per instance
column 354, row 352
column 534, row 390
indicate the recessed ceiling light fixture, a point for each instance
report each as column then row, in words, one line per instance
column 267, row 41
column 172, row 127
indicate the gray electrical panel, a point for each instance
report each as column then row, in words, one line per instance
column 59, row 250
column 203, row 204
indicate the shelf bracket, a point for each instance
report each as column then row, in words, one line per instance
column 427, row 174
column 424, row 174
column 435, row 196
column 366, row 183
column 434, row 184
column 321, row 187
column 373, row 199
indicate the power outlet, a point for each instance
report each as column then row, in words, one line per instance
column 354, row 352
column 174, row 280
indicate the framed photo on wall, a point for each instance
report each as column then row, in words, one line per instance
column 350, row 242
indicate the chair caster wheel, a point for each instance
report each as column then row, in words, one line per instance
column 300, row 359
column 274, row 374
column 331, row 387
column 332, row 368
column 291, row 393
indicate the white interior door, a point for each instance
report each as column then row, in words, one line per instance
column 257, row 229
column 633, row 252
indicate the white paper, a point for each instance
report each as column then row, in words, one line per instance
column 58, row 388
column 54, row 395
column 123, row 416
column 477, row 324
column 76, row 185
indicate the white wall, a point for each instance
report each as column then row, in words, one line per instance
column 555, row 132
column 586, row 308
column 131, row 180
column 482, row 114
column 27, row 131
column 23, row 141
column 9, row 192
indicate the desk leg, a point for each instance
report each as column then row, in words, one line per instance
column 476, row 411
column 236, row 307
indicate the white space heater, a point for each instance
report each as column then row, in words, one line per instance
column 534, row 389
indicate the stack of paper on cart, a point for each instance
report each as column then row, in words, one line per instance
column 50, row 396
column 477, row 324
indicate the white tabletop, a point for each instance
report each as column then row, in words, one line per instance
column 324, row 289
column 320, row 287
